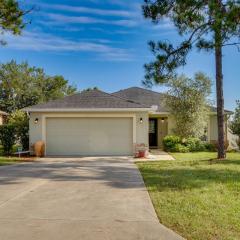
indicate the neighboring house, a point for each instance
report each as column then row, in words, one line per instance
column 3, row 117
column 97, row 123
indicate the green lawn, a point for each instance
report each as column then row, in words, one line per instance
column 6, row 161
column 197, row 198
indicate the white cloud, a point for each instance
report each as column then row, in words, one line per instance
column 122, row 3
column 59, row 19
column 36, row 41
column 164, row 24
column 87, row 10
column 62, row 15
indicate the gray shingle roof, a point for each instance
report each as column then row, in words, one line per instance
column 150, row 98
column 89, row 99
column 143, row 96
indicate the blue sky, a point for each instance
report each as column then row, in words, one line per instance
column 103, row 43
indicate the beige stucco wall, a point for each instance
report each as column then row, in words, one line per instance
column 213, row 128
column 36, row 131
column 171, row 124
column 142, row 128
column 213, row 135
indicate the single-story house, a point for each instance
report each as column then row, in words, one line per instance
column 98, row 123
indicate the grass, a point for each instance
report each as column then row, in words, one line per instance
column 9, row 160
column 196, row 197
column 5, row 160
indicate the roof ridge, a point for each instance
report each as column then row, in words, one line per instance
column 145, row 89
column 125, row 99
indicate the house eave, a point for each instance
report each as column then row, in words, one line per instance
column 225, row 113
column 159, row 113
column 87, row 110
column 168, row 113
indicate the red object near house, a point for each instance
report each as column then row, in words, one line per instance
column 141, row 150
column 142, row 153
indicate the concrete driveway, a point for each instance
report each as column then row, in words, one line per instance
column 77, row 199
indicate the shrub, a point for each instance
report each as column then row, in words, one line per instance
column 215, row 144
column 21, row 122
column 210, row 147
column 195, row 144
column 173, row 143
column 180, row 148
column 7, row 136
column 170, row 141
column 22, row 131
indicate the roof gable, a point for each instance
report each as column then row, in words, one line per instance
column 143, row 96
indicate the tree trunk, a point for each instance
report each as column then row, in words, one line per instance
column 220, row 99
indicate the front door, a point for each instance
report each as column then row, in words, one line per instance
column 153, row 141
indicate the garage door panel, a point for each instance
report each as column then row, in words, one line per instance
column 89, row 136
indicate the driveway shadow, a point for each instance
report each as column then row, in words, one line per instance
column 116, row 172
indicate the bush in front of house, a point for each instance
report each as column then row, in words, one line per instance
column 7, row 137
column 180, row 148
column 21, row 122
column 174, row 143
column 195, row 144
column 210, row 147
column 170, row 142
column 22, row 131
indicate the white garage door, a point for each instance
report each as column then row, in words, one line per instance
column 89, row 136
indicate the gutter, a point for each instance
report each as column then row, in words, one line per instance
column 87, row 109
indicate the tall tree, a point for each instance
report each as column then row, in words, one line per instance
column 22, row 85
column 188, row 102
column 11, row 17
column 207, row 25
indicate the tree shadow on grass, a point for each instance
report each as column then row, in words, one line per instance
column 189, row 177
column 225, row 162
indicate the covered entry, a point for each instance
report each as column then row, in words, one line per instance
column 158, row 129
